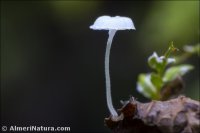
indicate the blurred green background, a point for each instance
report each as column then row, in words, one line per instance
column 52, row 64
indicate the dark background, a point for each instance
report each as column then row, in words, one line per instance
column 52, row 64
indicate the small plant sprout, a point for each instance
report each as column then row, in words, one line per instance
column 112, row 24
column 159, row 84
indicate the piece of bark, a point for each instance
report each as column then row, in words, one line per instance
column 172, row 89
column 179, row 115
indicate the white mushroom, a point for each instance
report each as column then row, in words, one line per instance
column 112, row 24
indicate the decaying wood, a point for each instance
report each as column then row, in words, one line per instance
column 179, row 115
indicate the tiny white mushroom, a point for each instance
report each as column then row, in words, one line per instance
column 112, row 24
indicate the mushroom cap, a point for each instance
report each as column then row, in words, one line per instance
column 113, row 23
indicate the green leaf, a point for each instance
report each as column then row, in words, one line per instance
column 170, row 60
column 145, row 87
column 156, row 81
column 172, row 72
column 192, row 49
column 156, row 62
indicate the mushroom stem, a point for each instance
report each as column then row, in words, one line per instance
column 108, row 85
